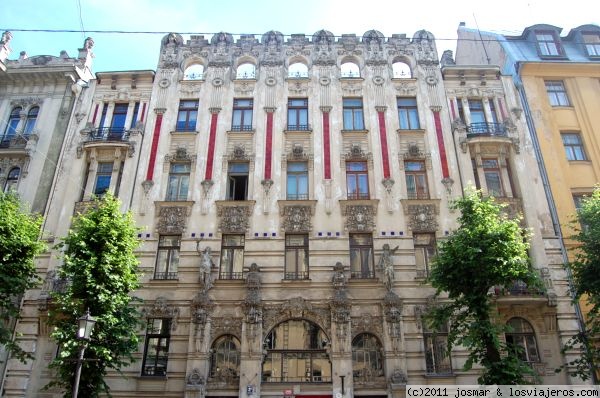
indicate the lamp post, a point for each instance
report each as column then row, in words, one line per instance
column 85, row 324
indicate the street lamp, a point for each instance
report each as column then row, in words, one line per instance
column 85, row 324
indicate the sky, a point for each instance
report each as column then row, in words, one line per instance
column 120, row 51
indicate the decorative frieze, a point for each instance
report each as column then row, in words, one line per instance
column 422, row 215
column 359, row 214
column 296, row 215
column 172, row 217
column 367, row 323
column 234, row 216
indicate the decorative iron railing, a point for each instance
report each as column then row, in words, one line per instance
column 486, row 129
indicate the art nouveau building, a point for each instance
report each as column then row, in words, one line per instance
column 37, row 98
column 290, row 192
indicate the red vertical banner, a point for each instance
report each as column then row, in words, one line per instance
column 452, row 109
column 154, row 147
column 384, row 146
column 143, row 113
column 269, row 144
column 95, row 114
column 326, row 146
column 211, row 144
column 441, row 145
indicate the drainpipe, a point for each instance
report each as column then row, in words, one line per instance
column 551, row 204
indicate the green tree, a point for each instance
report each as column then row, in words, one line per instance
column 19, row 244
column 586, row 285
column 487, row 250
column 102, row 270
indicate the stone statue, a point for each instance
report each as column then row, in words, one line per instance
column 386, row 264
column 206, row 265
column 6, row 36
column 88, row 43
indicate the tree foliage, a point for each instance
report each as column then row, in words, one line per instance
column 487, row 250
column 586, row 284
column 101, row 267
column 19, row 245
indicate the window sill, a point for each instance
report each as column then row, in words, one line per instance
column 420, row 131
column 440, row 375
column 154, row 280
column 574, row 161
column 183, row 132
column 360, row 131
column 238, row 132
column 288, row 130
column 299, row 280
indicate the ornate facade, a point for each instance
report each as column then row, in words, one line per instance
column 291, row 191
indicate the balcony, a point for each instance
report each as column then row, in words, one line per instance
column 519, row 292
column 108, row 134
column 484, row 129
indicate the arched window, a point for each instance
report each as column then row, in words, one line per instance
column 194, row 72
column 367, row 360
column 521, row 338
column 31, row 119
column 349, row 69
column 246, row 71
column 401, row 70
column 297, row 70
column 225, row 359
column 13, row 123
column 296, row 353
column 12, row 179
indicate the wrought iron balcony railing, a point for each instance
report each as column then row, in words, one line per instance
column 358, row 195
column 300, row 379
column 296, row 275
column 109, row 134
column 298, row 127
column 231, row 275
column 518, row 288
column 486, row 129
column 416, row 195
column 241, row 127
column 165, row 275
column 362, row 275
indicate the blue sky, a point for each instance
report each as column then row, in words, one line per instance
column 114, row 52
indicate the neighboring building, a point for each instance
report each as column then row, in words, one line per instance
column 558, row 79
column 37, row 98
column 291, row 193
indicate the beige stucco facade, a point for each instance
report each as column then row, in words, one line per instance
column 318, row 170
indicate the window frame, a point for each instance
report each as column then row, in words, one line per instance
column 557, row 93
column 12, row 125
column 408, row 113
column 228, row 269
column 417, row 186
column 575, row 151
column 31, row 120
column 298, row 112
column 371, row 355
column 236, row 177
column 428, row 251
column 358, row 179
column 488, row 171
column 118, row 119
column 171, row 264
column 296, row 270
column 245, row 111
column 353, row 118
column 544, row 46
column 593, row 45
column 524, row 354
column 164, row 334
column 364, row 253
column 103, row 174
column 435, row 343
column 178, row 181
column 219, row 348
column 12, row 179
column 294, row 179
column 187, row 115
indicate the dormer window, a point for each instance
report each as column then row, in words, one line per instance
column 591, row 40
column 548, row 44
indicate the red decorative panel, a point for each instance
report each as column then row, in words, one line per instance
column 268, row 145
column 441, row 145
column 211, row 145
column 384, row 145
column 326, row 148
column 154, row 147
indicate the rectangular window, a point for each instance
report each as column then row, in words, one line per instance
column 117, row 125
column 361, row 256
column 408, row 114
column 353, row 114
column 493, row 113
column 416, row 179
column 179, row 181
column 167, row 257
column 136, row 110
column 592, row 44
column 547, row 44
column 573, row 146
column 557, row 94
column 103, row 176
column 187, row 115
column 298, row 114
column 156, row 349
column 476, row 110
column 232, row 257
column 242, row 115
column 493, row 179
column 425, row 250
column 437, row 360
column 357, row 180
column 237, row 181
column 297, row 181
column 296, row 256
